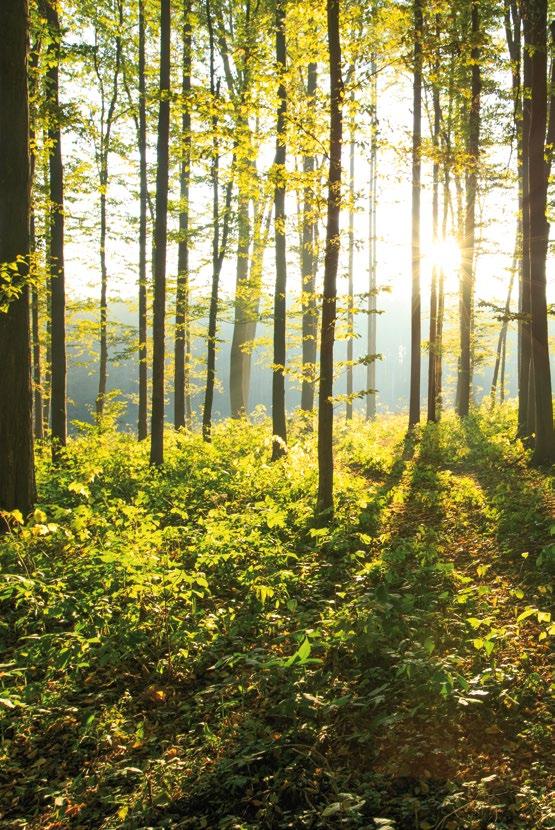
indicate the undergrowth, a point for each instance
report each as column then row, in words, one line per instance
column 183, row 647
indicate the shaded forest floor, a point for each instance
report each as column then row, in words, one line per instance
column 182, row 648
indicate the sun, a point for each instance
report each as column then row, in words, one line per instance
column 445, row 255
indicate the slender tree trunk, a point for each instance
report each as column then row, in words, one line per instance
column 309, row 260
column 416, row 322
column 161, row 240
column 502, row 339
column 525, row 413
column 446, row 198
column 217, row 262
column 279, row 425
column 238, row 382
column 324, row 506
column 372, row 248
column 433, row 352
column 56, row 238
column 142, row 429
column 538, row 173
column 17, row 478
column 213, row 311
column 182, row 400
column 351, row 264
column 467, row 270
column 103, row 364
column 218, row 249
column 104, row 155
column 261, row 230
column 503, row 368
column 35, row 315
column 37, row 373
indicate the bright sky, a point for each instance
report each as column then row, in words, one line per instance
column 497, row 217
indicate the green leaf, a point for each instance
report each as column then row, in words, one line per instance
column 429, row 645
column 525, row 614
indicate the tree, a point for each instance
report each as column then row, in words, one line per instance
column 143, row 200
column 279, row 424
column 416, row 323
column 58, row 371
column 108, row 102
column 218, row 247
column 372, row 245
column 538, row 176
column 33, row 85
column 160, row 240
column 182, row 401
column 350, row 267
column 434, row 295
column 246, row 292
column 309, row 257
column 17, row 477
column 467, row 263
column 324, row 506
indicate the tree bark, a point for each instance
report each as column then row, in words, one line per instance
column 538, row 175
column 218, row 249
column 500, row 352
column 142, row 429
column 350, row 274
column 17, row 477
column 103, row 175
column 434, row 305
column 238, row 370
column 182, row 398
column 467, row 270
column 279, row 425
column 161, row 241
column 309, row 260
column 35, row 313
column 372, row 248
column 525, row 412
column 416, row 322
column 58, row 413
column 324, row 506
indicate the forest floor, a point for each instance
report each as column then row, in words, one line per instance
column 184, row 648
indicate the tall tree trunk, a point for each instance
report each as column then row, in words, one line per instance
column 416, row 322
column 182, row 399
column 525, row 412
column 324, row 506
column 37, row 363
column 142, row 429
column 372, row 247
column 103, row 175
column 279, row 425
column 35, row 314
column 238, row 375
column 501, row 349
column 350, row 275
column 433, row 348
column 214, row 296
column 161, row 240
column 538, row 174
column 17, row 478
column 56, row 237
column 467, row 270
column 446, row 198
column 309, row 260
column 218, row 248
